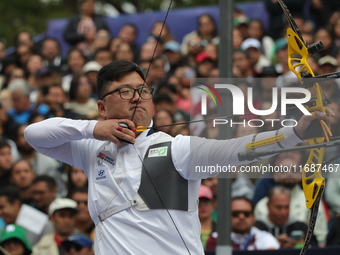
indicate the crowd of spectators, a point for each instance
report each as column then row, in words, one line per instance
column 37, row 82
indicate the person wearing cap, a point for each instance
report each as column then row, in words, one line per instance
column 172, row 51
column 205, row 211
column 62, row 213
column 77, row 244
column 124, row 203
column 330, row 88
column 205, row 64
column 13, row 239
column 91, row 70
column 256, row 57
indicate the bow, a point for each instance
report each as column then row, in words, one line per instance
column 298, row 53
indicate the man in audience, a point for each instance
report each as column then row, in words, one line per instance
column 288, row 231
column 62, row 213
column 77, row 244
column 84, row 223
column 245, row 236
column 10, row 208
column 22, row 176
column 44, row 191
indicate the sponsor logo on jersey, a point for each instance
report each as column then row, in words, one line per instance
column 106, row 158
column 101, row 175
column 158, row 152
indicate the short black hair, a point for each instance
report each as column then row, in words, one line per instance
column 51, row 183
column 113, row 72
column 244, row 199
column 11, row 193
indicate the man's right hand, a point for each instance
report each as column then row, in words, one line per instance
column 107, row 130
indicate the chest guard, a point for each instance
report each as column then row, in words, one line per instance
column 172, row 188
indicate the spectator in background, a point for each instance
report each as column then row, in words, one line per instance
column 163, row 117
column 81, row 30
column 13, row 239
column 10, row 208
column 23, row 108
column 164, row 101
column 62, row 214
column 193, row 48
column 75, row 64
column 148, row 50
column 84, row 223
column 325, row 36
column 165, row 35
column 102, row 40
column 256, row 58
column 289, row 232
column 256, row 30
column 41, row 163
column 22, row 54
column 205, row 210
column 76, row 179
column 50, row 52
column 103, row 56
column 91, row 70
column 124, row 52
column 242, row 67
column 155, row 69
column 34, row 63
column 44, row 190
column 128, row 33
column 245, row 236
column 80, row 97
column 291, row 181
column 77, row 244
column 206, row 30
column 6, row 162
column 204, row 65
column 55, row 99
column 114, row 43
column 172, row 51
column 22, row 176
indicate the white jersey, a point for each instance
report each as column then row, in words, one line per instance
column 114, row 176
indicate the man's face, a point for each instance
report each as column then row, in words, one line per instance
column 9, row 211
column 278, row 209
column 83, row 211
column 114, row 107
column 22, row 175
column 205, row 208
column 242, row 217
column 50, row 49
column 128, row 34
column 6, row 159
column 20, row 103
column 63, row 221
column 42, row 195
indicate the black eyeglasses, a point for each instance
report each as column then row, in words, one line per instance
column 238, row 213
column 128, row 93
column 75, row 246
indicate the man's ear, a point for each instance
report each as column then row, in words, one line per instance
column 101, row 108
